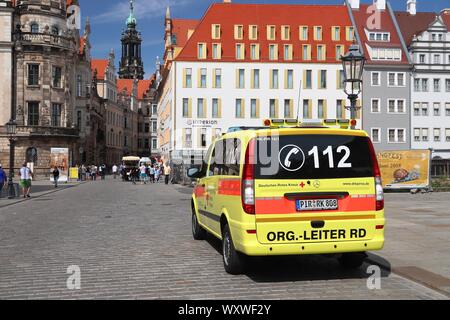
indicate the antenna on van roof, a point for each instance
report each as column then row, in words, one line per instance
column 298, row 102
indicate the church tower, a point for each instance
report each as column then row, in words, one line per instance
column 131, row 65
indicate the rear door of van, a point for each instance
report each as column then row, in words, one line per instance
column 314, row 185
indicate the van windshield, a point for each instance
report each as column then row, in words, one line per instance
column 312, row 157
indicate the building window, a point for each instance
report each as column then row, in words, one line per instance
column 146, row 127
column 375, row 135
column 216, row 31
column 317, row 33
column 306, row 52
column 425, row 109
column 271, row 30
column 339, row 52
column 146, row 143
column 375, row 106
column 306, row 109
column 416, row 108
column 253, row 108
column 238, row 32
column 274, row 79
column 447, row 109
column 154, row 110
column 416, row 85
column 34, row 27
column 447, row 84
column 241, row 79
column 396, row 136
column 391, row 79
column 285, row 33
column 321, row 55
column 218, row 78
column 200, row 108
column 273, row 52
column 437, row 135
column 447, row 135
column 350, row 33
column 79, row 86
column 33, row 113
column 308, row 80
column 154, row 144
column 424, row 85
column 436, row 109
column 215, row 108
column 185, row 108
column 323, row 79
column 154, row 126
column 272, row 109
column 56, row 74
column 33, row 74
column 340, row 79
column 79, row 116
column 288, row 109
column 289, row 79
column 425, row 134
column 396, row 106
column 437, row 59
column 396, row 79
column 375, row 78
column 239, row 109
column 255, row 84
column 188, row 137
column 287, row 52
column 203, row 78
column 336, row 33
column 303, row 32
column 201, row 51
column 188, row 80
column 320, row 109
column 437, row 85
column 56, row 115
column 239, row 51
column 416, row 134
column 139, row 143
column 421, row 58
column 254, row 51
column 253, row 32
column 216, row 51
column 203, row 137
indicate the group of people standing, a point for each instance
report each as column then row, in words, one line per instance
column 91, row 172
column 145, row 173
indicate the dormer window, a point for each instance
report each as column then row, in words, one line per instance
column 34, row 27
column 379, row 36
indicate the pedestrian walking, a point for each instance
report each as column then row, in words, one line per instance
column 25, row 180
column 167, row 171
column 94, row 172
column 157, row 172
column 83, row 173
column 55, row 173
column 102, row 171
column 152, row 173
column 3, row 179
column 114, row 171
column 143, row 174
column 88, row 173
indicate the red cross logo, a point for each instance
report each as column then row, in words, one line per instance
column 302, row 184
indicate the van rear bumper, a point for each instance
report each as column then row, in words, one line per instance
column 252, row 247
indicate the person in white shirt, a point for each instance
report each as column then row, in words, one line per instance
column 25, row 180
column 114, row 170
column 143, row 170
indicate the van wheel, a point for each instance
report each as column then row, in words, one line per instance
column 197, row 231
column 352, row 260
column 232, row 260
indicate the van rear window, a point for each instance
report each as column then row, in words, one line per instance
column 312, row 157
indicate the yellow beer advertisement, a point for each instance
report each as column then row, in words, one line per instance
column 405, row 169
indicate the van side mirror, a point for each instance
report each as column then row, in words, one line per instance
column 194, row 173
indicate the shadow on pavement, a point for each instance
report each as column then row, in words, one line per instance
column 303, row 267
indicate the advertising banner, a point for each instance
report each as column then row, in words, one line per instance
column 73, row 173
column 405, row 169
column 59, row 157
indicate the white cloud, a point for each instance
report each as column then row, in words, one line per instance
column 143, row 9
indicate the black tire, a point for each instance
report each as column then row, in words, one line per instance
column 197, row 231
column 352, row 260
column 233, row 261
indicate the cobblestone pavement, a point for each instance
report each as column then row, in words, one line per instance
column 135, row 242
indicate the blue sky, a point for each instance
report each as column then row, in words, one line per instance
column 108, row 19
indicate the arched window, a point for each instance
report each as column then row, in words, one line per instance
column 55, row 30
column 31, row 155
column 34, row 27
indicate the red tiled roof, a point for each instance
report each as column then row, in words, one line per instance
column 143, row 87
column 411, row 25
column 180, row 28
column 101, row 66
column 230, row 14
column 125, row 85
column 446, row 17
column 362, row 19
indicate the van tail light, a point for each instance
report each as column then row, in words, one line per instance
column 379, row 194
column 248, row 179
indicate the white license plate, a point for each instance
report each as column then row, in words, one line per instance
column 316, row 204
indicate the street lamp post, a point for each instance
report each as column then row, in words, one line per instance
column 11, row 128
column 353, row 63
